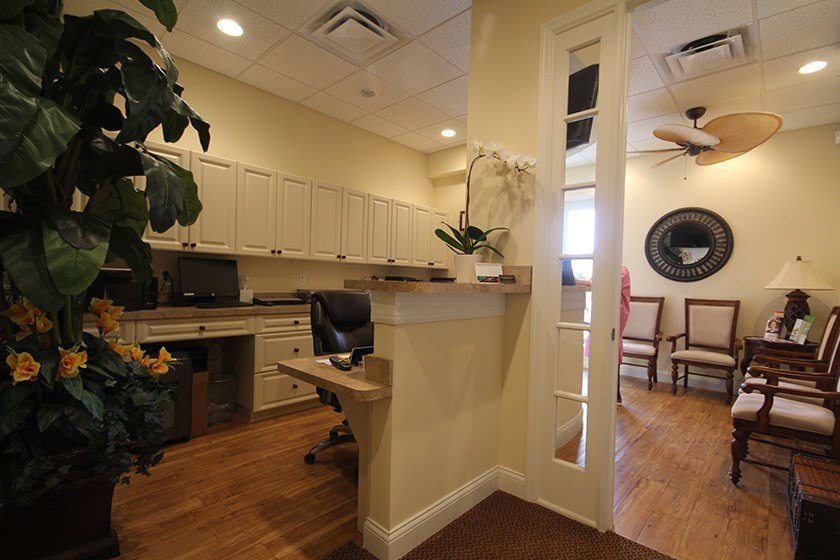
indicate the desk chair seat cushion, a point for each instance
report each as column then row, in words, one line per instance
column 788, row 385
column 786, row 413
column 641, row 348
column 704, row 356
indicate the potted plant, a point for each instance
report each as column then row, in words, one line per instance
column 468, row 239
column 79, row 412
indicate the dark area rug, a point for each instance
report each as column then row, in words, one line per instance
column 503, row 527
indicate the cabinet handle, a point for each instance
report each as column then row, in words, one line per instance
column 431, row 264
column 185, row 244
column 296, row 322
column 279, row 251
column 343, row 256
column 297, row 350
column 338, row 256
column 274, row 251
column 294, row 386
column 192, row 245
column 202, row 328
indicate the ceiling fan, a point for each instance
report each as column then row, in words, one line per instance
column 720, row 139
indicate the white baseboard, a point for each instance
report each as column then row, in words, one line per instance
column 399, row 541
column 664, row 376
column 567, row 431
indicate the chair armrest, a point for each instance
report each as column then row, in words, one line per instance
column 773, row 373
column 796, row 362
column 658, row 336
column 776, row 390
column 675, row 337
column 737, row 345
column 773, row 354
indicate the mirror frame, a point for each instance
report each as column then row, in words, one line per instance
column 719, row 251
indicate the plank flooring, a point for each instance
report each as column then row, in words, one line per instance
column 245, row 493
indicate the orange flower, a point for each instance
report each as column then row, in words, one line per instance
column 23, row 366
column 100, row 306
column 107, row 324
column 115, row 311
column 24, row 331
column 43, row 324
column 137, row 354
column 70, row 362
column 21, row 313
column 160, row 365
column 121, row 349
column 164, row 356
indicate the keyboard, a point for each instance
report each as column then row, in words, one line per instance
column 221, row 304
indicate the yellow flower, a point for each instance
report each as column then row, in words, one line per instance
column 24, row 331
column 115, row 311
column 70, row 362
column 164, row 356
column 137, row 354
column 21, row 313
column 24, row 367
column 158, row 368
column 43, row 324
column 106, row 324
column 121, row 349
column 100, row 306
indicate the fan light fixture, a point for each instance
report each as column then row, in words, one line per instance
column 812, row 67
column 230, row 27
column 448, row 133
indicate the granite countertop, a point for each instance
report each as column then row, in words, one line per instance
column 522, row 286
column 169, row 312
column 367, row 383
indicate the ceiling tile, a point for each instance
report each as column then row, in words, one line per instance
column 452, row 40
column 736, row 83
column 783, row 72
column 206, row 54
column 412, row 114
column 379, row 126
column 652, row 143
column 643, row 75
column 636, row 47
column 749, row 104
column 278, row 84
column 814, row 116
column 306, row 62
column 432, row 132
column 414, row 68
column 812, row 94
column 333, row 107
column 415, row 18
column 577, row 160
column 766, row 8
column 451, row 97
column 350, row 87
column 643, row 130
column 808, row 27
column 291, row 14
column 665, row 25
column 650, row 104
column 463, row 118
column 199, row 19
column 414, row 140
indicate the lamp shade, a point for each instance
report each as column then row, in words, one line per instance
column 798, row 275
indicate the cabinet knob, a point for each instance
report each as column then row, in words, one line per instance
column 192, row 245
column 343, row 256
column 202, row 328
column 294, row 386
column 185, row 244
column 296, row 322
column 279, row 251
column 297, row 350
column 431, row 264
column 338, row 256
column 274, row 251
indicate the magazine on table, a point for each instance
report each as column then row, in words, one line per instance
column 773, row 330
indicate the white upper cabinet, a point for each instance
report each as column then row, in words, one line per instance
column 354, row 226
column 421, row 253
column 294, row 211
column 401, row 230
column 215, row 229
column 256, row 210
column 326, row 222
column 440, row 252
column 175, row 238
column 379, row 235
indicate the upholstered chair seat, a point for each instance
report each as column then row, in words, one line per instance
column 704, row 356
column 753, row 380
column 638, row 348
column 786, row 413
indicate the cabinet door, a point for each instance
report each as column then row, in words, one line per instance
column 326, row 222
column 401, row 232
column 175, row 238
column 215, row 229
column 294, row 211
column 354, row 226
column 440, row 254
column 256, row 210
column 421, row 231
column 379, row 229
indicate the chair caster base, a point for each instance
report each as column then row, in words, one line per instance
column 309, row 458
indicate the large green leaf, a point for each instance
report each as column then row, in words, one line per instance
column 106, row 159
column 73, row 269
column 164, row 10
column 123, row 26
column 22, row 255
column 11, row 8
column 33, row 133
column 124, row 205
column 47, row 414
column 74, row 386
column 127, row 245
column 80, row 230
column 44, row 27
column 93, row 403
column 449, row 240
column 192, row 205
column 22, row 59
column 202, row 127
column 165, row 191
column 147, row 97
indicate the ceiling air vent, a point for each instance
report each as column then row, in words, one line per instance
column 709, row 54
column 354, row 33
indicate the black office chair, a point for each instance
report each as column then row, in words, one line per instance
column 340, row 322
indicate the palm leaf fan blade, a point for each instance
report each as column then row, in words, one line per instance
column 668, row 160
column 741, row 132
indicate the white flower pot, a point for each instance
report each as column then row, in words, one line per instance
column 465, row 268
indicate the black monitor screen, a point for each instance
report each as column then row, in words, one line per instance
column 208, row 277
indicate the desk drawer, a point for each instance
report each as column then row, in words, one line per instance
column 126, row 334
column 194, row 329
column 283, row 323
column 276, row 389
column 275, row 347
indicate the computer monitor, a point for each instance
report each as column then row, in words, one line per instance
column 208, row 278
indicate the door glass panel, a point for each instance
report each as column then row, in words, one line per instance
column 582, row 134
column 570, row 432
column 572, row 375
column 580, row 156
column 579, row 221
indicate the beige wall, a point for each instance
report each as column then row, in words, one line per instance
column 253, row 126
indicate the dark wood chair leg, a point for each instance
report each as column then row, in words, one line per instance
column 651, row 373
column 674, row 374
column 655, row 372
column 738, row 448
column 685, row 376
column 729, row 386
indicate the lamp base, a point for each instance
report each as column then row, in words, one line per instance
column 796, row 308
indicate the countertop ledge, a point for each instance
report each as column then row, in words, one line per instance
column 522, row 286
column 169, row 312
column 367, row 383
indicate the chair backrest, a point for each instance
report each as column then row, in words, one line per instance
column 711, row 323
column 831, row 332
column 340, row 321
column 644, row 319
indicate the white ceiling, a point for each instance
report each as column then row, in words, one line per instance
column 789, row 34
column 421, row 87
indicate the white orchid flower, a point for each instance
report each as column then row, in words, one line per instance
column 478, row 147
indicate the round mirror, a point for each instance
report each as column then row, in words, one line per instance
column 688, row 244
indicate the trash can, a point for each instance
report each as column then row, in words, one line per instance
column 222, row 398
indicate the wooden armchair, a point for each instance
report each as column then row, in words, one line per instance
column 710, row 342
column 642, row 335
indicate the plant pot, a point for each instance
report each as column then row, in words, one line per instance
column 71, row 522
column 465, row 268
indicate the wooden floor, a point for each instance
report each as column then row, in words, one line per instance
column 246, row 493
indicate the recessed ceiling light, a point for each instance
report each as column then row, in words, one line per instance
column 448, row 133
column 230, row 27
column 367, row 93
column 812, row 67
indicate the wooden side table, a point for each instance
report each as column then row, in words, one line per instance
column 756, row 344
column 814, row 507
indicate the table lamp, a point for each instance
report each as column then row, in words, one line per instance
column 797, row 275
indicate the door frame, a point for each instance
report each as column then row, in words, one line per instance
column 613, row 134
